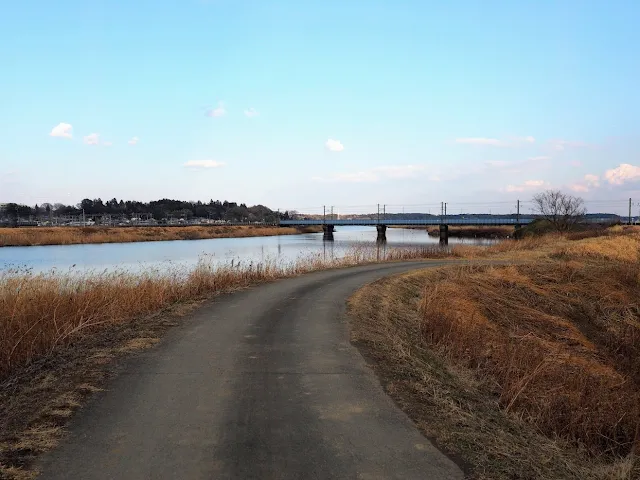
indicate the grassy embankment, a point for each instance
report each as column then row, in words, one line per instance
column 529, row 370
column 61, row 334
column 30, row 236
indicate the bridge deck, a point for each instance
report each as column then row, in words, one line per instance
column 404, row 222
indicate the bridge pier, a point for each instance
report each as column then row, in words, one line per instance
column 328, row 232
column 382, row 233
column 444, row 234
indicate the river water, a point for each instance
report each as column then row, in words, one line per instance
column 186, row 253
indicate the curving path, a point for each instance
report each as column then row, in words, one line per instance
column 260, row 384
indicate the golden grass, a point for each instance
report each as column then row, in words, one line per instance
column 43, row 312
column 79, row 235
column 536, row 365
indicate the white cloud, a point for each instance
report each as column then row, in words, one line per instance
column 219, row 111
column 203, row 164
column 622, row 174
column 334, row 145
column 92, row 139
column 561, row 145
column 579, row 187
column 592, row 180
column 510, row 142
column 251, row 112
column 133, row 141
column 63, row 130
column 526, row 186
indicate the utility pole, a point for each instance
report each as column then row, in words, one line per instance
column 378, row 213
column 384, row 211
column 629, row 211
column 518, row 214
column 331, row 212
column 445, row 210
column 324, row 214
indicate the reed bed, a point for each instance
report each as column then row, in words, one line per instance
column 31, row 236
column 40, row 313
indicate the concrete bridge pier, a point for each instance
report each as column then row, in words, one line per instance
column 328, row 232
column 444, row 234
column 382, row 233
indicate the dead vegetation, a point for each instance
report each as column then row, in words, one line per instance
column 60, row 333
column 31, row 236
column 530, row 370
column 475, row 231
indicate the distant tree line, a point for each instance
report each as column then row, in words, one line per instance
column 163, row 209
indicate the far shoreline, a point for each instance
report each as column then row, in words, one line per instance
column 72, row 235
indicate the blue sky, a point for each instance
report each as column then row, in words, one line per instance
column 299, row 104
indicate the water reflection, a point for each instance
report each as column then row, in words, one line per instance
column 134, row 256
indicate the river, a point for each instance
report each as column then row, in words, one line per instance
column 144, row 255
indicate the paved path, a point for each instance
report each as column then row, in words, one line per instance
column 261, row 384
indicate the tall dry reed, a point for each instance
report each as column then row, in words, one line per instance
column 32, row 236
column 40, row 313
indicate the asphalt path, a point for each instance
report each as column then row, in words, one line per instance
column 259, row 384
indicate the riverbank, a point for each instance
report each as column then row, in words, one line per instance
column 475, row 232
column 528, row 370
column 62, row 335
column 32, row 236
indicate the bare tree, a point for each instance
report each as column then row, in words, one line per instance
column 561, row 210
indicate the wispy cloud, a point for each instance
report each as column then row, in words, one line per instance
column 251, row 112
column 92, row 139
column 622, row 174
column 133, row 141
column 529, row 164
column 527, row 186
column 495, row 142
column 198, row 164
column 588, row 183
column 219, row 111
column 562, row 145
column 334, row 145
column 62, row 130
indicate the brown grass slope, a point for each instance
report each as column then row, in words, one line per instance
column 529, row 370
column 80, row 235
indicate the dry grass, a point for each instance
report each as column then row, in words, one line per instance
column 475, row 231
column 42, row 312
column 61, row 334
column 77, row 235
column 534, row 365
